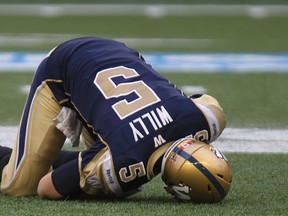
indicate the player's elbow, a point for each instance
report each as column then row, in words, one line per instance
column 46, row 189
column 41, row 190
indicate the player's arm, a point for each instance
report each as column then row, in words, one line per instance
column 46, row 189
column 61, row 183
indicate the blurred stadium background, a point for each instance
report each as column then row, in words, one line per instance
column 234, row 50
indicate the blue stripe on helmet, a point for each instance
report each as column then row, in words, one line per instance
column 202, row 169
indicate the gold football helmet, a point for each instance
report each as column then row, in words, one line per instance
column 195, row 171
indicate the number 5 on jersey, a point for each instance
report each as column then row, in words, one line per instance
column 133, row 171
column 145, row 95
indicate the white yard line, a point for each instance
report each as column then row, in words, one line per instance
column 232, row 140
column 34, row 40
column 253, row 140
column 150, row 10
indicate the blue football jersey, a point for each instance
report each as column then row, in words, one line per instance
column 123, row 101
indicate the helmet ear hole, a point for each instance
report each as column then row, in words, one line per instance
column 221, row 176
column 209, row 188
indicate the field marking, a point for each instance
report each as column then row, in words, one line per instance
column 232, row 140
column 34, row 40
column 173, row 62
column 187, row 89
column 149, row 10
column 253, row 140
column 191, row 89
column 24, row 89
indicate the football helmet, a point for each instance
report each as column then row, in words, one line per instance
column 196, row 171
column 213, row 113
